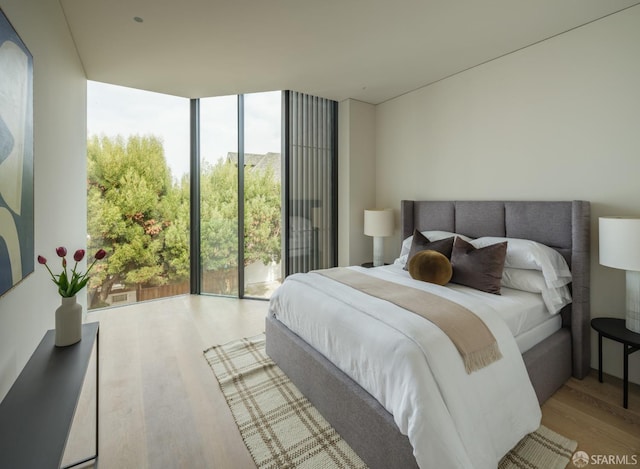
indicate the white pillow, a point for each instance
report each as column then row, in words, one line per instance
column 556, row 298
column 406, row 246
column 523, row 279
column 402, row 260
column 533, row 281
column 432, row 235
column 527, row 254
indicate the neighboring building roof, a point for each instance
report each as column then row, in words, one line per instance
column 257, row 161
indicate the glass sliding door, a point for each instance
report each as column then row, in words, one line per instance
column 262, row 194
column 219, row 195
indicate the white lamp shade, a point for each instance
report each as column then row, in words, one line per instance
column 620, row 242
column 378, row 222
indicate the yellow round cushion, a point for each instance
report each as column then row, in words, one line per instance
column 431, row 266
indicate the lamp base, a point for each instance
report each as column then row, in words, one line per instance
column 378, row 251
column 633, row 301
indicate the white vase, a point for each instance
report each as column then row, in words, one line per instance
column 68, row 322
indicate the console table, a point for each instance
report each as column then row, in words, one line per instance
column 37, row 412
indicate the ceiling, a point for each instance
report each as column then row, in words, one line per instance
column 369, row 50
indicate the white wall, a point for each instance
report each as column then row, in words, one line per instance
column 27, row 310
column 559, row 120
column 356, row 180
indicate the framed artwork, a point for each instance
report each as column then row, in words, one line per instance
column 16, row 158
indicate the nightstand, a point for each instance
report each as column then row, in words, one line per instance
column 614, row 329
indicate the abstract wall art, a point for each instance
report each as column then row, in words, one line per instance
column 16, row 158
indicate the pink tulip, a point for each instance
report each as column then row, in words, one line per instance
column 70, row 283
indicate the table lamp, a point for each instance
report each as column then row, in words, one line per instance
column 379, row 224
column 620, row 249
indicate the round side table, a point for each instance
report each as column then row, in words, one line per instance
column 614, row 329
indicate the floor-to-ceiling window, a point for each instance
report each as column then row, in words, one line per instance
column 219, row 228
column 240, row 194
column 262, row 194
column 137, row 194
column 219, row 195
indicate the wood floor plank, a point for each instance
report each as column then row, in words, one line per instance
column 161, row 406
column 592, row 414
column 593, row 435
column 604, row 409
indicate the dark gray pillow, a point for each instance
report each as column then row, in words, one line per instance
column 478, row 268
column 421, row 243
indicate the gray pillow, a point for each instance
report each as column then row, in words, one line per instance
column 421, row 243
column 479, row 268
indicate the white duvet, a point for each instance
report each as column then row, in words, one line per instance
column 452, row 419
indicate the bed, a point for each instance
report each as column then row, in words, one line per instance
column 362, row 421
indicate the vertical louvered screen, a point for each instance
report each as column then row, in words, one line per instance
column 311, row 182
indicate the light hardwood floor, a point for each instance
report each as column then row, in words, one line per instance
column 161, row 407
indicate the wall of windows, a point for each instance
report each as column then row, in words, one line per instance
column 139, row 192
column 186, row 195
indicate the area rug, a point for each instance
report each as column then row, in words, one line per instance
column 282, row 430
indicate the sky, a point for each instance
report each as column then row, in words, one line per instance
column 116, row 110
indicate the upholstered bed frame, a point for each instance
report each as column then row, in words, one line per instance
column 357, row 416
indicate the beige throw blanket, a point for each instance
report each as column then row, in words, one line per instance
column 471, row 336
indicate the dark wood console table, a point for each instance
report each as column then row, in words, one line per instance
column 37, row 412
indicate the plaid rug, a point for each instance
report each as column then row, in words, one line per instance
column 282, row 430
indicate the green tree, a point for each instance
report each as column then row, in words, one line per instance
column 219, row 216
column 219, row 220
column 177, row 233
column 262, row 216
column 142, row 218
column 127, row 184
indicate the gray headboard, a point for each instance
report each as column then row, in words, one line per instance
column 563, row 225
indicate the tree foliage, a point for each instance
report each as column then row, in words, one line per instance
column 127, row 184
column 140, row 215
column 176, row 235
column 262, row 217
column 219, row 216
